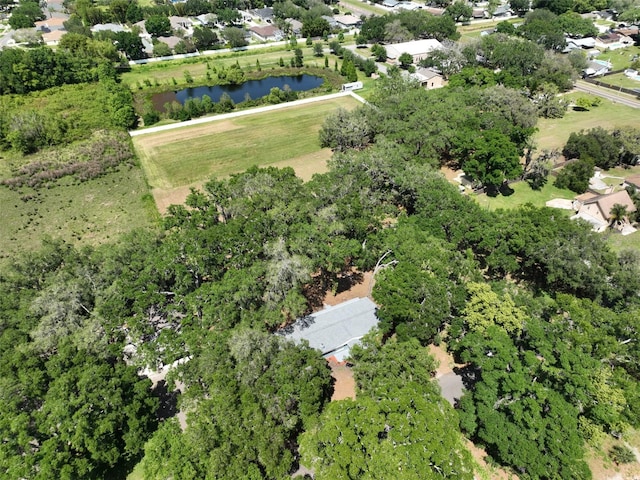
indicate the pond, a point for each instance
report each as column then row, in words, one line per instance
column 255, row 89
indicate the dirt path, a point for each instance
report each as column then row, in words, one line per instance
column 345, row 384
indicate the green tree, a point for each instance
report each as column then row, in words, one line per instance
column 492, row 159
column 459, row 11
column 379, row 52
column 318, row 49
column 406, row 60
column 157, row 26
column 235, row 37
column 575, row 176
column 618, row 214
column 204, row 38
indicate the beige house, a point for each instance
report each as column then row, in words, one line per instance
column 596, row 209
column 428, row 78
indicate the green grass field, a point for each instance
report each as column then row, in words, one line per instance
column 88, row 213
column 621, row 80
column 620, row 58
column 524, row 194
column 176, row 159
column 185, row 155
column 554, row 132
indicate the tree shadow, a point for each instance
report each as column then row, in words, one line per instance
column 506, row 190
column 316, row 291
column 470, row 376
column 168, row 406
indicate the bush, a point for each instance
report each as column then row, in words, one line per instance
column 622, row 454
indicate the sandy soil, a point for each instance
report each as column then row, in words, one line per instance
column 345, row 385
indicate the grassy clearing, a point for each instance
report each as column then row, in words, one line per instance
column 620, row 58
column 188, row 155
column 87, row 213
column 360, row 5
column 554, row 132
column 524, row 194
column 621, row 80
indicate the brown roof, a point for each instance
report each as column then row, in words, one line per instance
column 606, row 202
column 266, row 31
column 633, row 180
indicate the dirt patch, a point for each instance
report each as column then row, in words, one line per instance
column 449, row 173
column 359, row 289
column 493, row 473
column 602, row 468
column 172, row 196
column 306, row 166
column 345, row 385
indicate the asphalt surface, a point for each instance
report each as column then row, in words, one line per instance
column 617, row 97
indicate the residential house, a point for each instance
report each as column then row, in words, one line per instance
column 347, row 21
column 502, row 11
column 181, row 23
column 336, row 329
column 605, row 14
column 613, row 41
column 579, row 44
column 331, row 21
column 633, row 181
column 267, row 33
column 596, row 209
column 428, row 78
column 207, row 19
column 264, row 14
column 418, row 49
column 171, row 41
column 51, row 24
column 53, row 37
column 408, row 6
column 596, row 68
column 295, row 26
column 478, row 14
column 109, row 27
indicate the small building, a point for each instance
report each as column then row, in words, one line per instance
column 267, row 33
column 347, row 21
column 390, row 3
column 429, row 78
column 438, row 12
column 336, row 329
column 331, row 21
column 479, row 13
column 408, row 6
column 348, row 87
column 597, row 209
column 418, row 49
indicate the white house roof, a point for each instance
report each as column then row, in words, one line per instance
column 109, row 27
column 335, row 329
column 417, row 47
column 348, row 20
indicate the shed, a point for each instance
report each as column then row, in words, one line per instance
column 336, row 329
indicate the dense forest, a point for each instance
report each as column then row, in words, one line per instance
column 542, row 313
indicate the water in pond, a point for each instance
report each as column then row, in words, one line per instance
column 255, row 88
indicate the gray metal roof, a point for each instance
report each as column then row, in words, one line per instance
column 335, row 328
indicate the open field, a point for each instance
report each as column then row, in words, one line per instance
column 87, row 213
column 359, row 6
column 554, row 132
column 184, row 157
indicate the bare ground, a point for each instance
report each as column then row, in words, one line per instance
column 345, row 385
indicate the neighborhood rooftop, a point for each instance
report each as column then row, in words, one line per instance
column 335, row 329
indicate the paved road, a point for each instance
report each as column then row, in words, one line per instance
column 250, row 111
column 617, row 97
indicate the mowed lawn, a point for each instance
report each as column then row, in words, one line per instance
column 554, row 132
column 187, row 155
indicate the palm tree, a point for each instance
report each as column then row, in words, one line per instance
column 617, row 214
